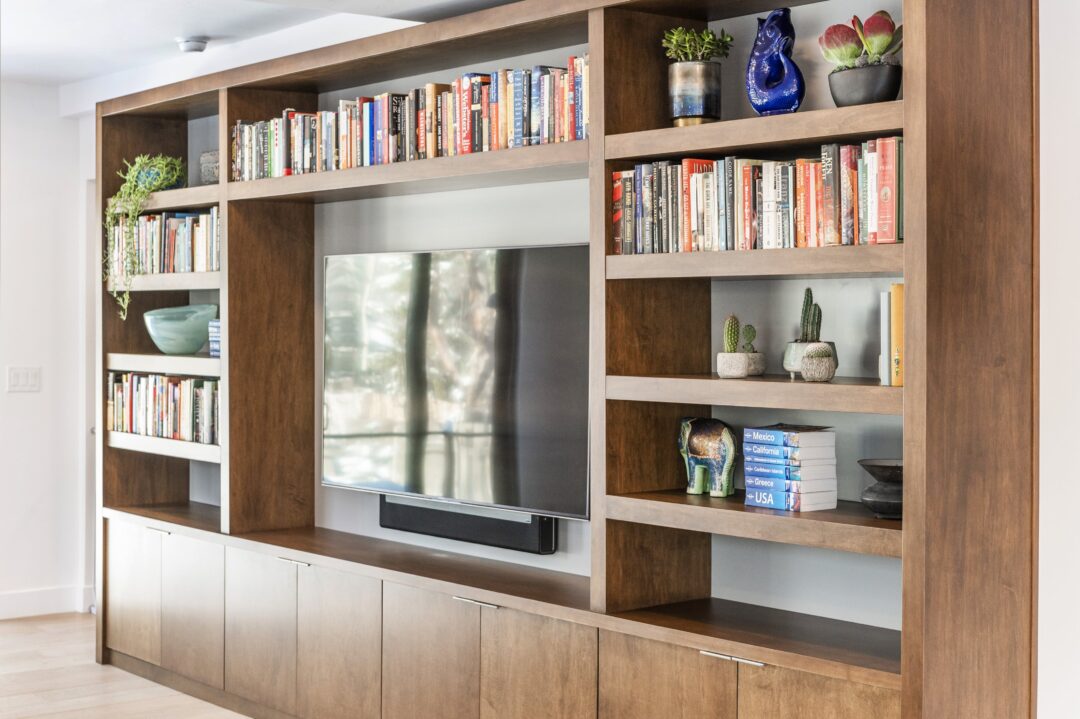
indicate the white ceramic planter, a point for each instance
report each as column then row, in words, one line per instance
column 757, row 364
column 732, row 365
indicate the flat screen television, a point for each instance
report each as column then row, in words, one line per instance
column 459, row 376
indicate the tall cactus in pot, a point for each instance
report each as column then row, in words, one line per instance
column 809, row 332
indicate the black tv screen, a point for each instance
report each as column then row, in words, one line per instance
column 460, row 376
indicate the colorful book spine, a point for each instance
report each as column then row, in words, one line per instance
column 830, row 182
column 887, row 191
column 792, row 486
column 896, row 328
column 772, row 454
column 791, row 501
column 765, row 470
column 787, row 438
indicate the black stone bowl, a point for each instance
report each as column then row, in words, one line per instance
column 865, row 85
column 885, row 498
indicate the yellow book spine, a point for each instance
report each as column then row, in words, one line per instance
column 896, row 344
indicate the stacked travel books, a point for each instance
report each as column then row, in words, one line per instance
column 166, row 242
column 850, row 195
column 790, row 467
column 162, row 406
column 215, row 337
column 478, row 112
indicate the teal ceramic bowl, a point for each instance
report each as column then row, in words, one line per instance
column 180, row 330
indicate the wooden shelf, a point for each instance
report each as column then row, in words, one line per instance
column 799, row 263
column 516, row 166
column 850, row 527
column 195, row 515
column 165, row 447
column 173, row 282
column 774, row 636
column 185, row 198
column 403, row 562
column 194, row 365
column 843, row 394
column 800, row 129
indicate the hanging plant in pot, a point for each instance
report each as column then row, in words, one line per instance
column 694, row 77
column 867, row 69
column 143, row 177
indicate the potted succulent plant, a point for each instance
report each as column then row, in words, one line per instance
column 755, row 359
column 809, row 333
column 694, row 76
column 864, row 55
column 731, row 363
column 818, row 363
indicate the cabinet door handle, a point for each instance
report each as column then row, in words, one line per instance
column 297, row 562
column 748, row 662
column 714, row 655
column 475, row 601
column 159, row 531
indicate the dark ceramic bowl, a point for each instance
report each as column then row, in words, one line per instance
column 885, row 498
column 865, row 85
column 884, row 470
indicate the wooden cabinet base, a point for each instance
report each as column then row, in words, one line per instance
column 775, row 693
column 133, row 590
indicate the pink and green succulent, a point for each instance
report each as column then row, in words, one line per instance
column 869, row 43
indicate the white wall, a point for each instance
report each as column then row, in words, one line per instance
column 42, row 494
column 1059, row 398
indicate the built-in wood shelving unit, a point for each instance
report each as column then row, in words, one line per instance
column 843, row 394
column 192, row 365
column 789, row 264
column 850, row 527
column 165, row 447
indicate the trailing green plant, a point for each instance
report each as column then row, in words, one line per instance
column 688, row 45
column 749, row 334
column 731, row 334
column 142, row 177
column 874, row 42
column 819, row 350
column 810, row 323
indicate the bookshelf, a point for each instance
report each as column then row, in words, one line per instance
column 966, row 409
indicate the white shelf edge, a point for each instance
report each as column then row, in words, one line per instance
column 165, row 447
column 193, row 365
column 173, row 281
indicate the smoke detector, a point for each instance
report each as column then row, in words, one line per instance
column 192, row 44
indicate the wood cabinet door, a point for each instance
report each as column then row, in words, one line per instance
column 260, row 628
column 339, row 645
column 193, row 610
column 775, row 693
column 533, row 666
column 431, row 655
column 645, row 679
column 133, row 590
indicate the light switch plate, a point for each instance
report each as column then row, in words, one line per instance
column 23, row 379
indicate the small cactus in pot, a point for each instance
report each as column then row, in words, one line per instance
column 756, row 359
column 818, row 363
column 809, row 333
column 731, row 363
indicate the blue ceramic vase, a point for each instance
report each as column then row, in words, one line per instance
column 773, row 81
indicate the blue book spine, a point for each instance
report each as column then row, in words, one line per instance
column 773, row 484
column 536, row 116
column 767, row 452
column 721, row 205
column 579, row 108
column 771, row 436
column 377, row 157
column 787, row 501
column 763, row 469
column 638, row 208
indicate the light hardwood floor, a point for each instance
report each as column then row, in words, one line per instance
column 47, row 669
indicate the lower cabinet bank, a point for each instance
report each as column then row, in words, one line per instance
column 274, row 637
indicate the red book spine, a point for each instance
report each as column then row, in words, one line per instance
column 571, row 106
column 464, row 131
column 421, row 133
column 800, row 203
column 747, row 207
column 690, row 167
column 616, row 212
column 886, row 187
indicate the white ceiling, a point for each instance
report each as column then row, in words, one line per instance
column 62, row 41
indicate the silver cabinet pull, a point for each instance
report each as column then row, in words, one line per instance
column 475, row 601
column 159, row 531
column 297, row 562
column 748, row 662
column 714, row 655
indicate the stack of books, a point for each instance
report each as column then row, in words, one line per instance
column 478, row 112
column 215, row 338
column 167, row 242
column 891, row 359
column 790, row 467
column 850, row 195
column 157, row 405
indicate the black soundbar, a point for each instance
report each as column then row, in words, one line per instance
column 540, row 535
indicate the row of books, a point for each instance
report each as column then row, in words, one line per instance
column 790, row 467
column 478, row 112
column 157, row 405
column 850, row 195
column 891, row 359
column 214, row 328
column 167, row 242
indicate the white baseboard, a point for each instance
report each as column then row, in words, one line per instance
column 48, row 600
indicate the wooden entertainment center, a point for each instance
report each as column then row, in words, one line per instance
column 251, row 606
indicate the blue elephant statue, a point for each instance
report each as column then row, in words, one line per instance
column 773, row 81
column 708, row 450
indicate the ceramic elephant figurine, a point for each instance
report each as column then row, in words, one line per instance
column 708, row 450
column 773, row 81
